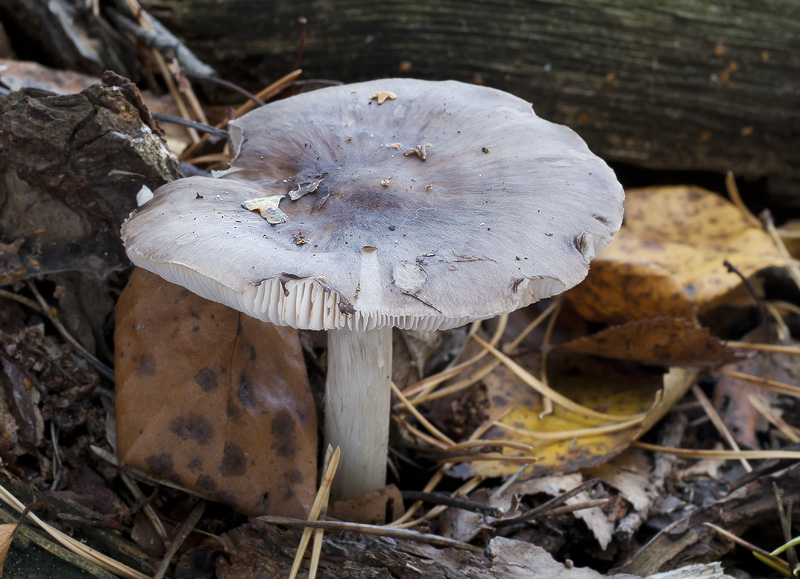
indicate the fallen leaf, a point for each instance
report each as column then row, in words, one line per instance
column 689, row 541
column 601, row 385
column 213, row 400
column 467, row 525
column 629, row 473
column 11, row 268
column 690, row 232
column 731, row 394
column 17, row 74
column 616, row 292
column 144, row 534
column 87, row 488
column 566, row 441
column 662, row 341
column 6, row 538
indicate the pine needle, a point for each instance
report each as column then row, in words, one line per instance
column 717, row 422
column 422, row 420
column 761, row 554
column 570, row 434
column 722, row 454
column 316, row 509
column 766, row 383
column 96, row 557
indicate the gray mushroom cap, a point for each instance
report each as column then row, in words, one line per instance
column 447, row 204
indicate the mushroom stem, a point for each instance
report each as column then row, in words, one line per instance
column 357, row 405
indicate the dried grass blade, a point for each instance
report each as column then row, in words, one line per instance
column 319, row 534
column 733, row 193
column 771, row 560
column 569, row 434
column 772, row 348
column 421, row 389
column 537, row 385
column 332, row 458
column 766, row 383
column 776, row 421
column 381, row 531
column 419, row 434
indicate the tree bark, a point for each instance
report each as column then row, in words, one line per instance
column 673, row 84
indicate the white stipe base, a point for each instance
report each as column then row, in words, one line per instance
column 357, row 404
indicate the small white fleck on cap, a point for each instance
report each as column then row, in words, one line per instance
column 144, row 195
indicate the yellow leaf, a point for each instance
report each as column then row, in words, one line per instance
column 690, row 232
column 566, row 440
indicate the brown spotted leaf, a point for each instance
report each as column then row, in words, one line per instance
column 214, row 400
column 663, row 341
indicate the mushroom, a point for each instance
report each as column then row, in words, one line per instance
column 391, row 203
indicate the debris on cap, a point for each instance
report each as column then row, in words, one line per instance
column 382, row 96
column 267, row 207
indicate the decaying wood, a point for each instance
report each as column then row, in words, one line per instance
column 670, row 85
column 688, row 541
column 67, row 34
column 70, row 168
column 257, row 549
column 674, row 84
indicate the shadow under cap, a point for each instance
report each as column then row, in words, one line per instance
column 505, row 209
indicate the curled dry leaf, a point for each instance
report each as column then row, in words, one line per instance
column 197, row 405
column 563, row 440
column 662, row 341
column 692, row 243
